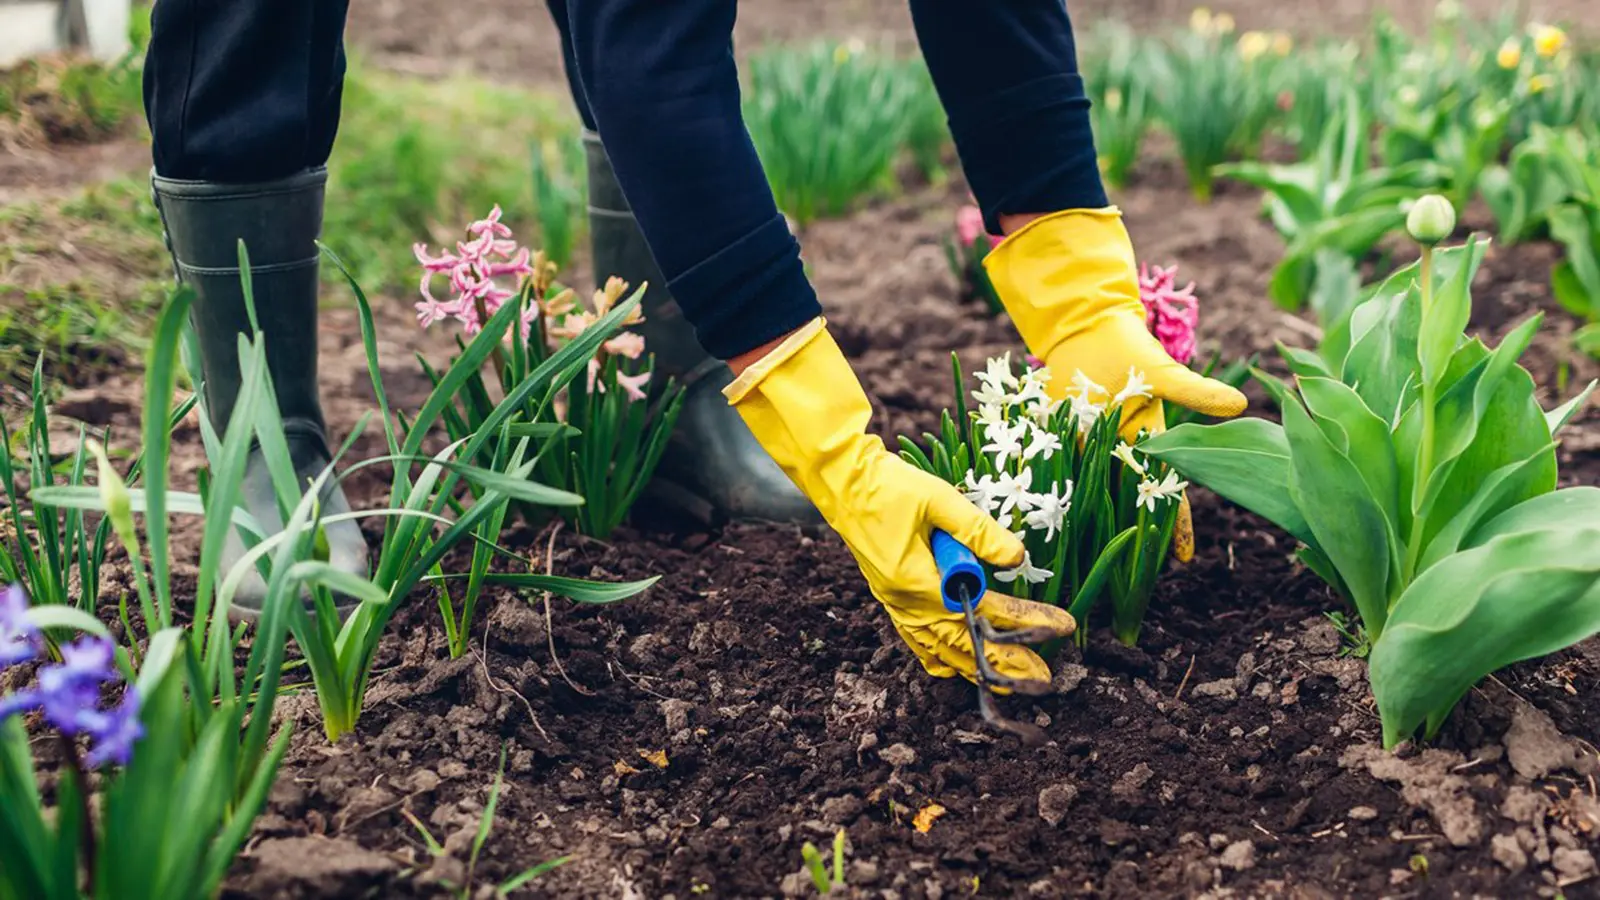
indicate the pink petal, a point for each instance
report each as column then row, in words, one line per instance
column 625, row 344
column 634, row 384
column 969, row 224
column 441, row 263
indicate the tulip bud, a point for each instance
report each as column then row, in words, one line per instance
column 1431, row 220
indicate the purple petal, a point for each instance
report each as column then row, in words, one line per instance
column 21, row 701
column 117, row 732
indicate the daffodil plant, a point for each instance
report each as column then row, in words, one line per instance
column 1418, row 472
column 181, row 731
column 53, row 553
column 1095, row 514
column 1214, row 97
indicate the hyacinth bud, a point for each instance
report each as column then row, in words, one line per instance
column 114, row 494
column 1431, row 220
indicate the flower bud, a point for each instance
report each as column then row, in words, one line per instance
column 114, row 494
column 1431, row 220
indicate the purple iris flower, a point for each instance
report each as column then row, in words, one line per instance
column 19, row 640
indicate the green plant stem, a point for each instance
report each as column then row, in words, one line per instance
column 1425, row 460
column 69, row 750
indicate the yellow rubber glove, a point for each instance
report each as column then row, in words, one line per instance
column 1070, row 283
column 806, row 408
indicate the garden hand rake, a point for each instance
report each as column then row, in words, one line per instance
column 962, row 586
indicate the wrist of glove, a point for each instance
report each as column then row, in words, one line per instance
column 1070, row 283
column 806, row 408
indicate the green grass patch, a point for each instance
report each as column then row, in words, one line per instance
column 82, row 276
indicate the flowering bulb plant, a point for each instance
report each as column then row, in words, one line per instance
column 1095, row 514
column 1419, row 473
column 604, row 435
column 964, row 249
column 178, row 787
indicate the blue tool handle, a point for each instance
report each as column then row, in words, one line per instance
column 958, row 569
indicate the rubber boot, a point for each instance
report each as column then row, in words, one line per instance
column 713, row 468
column 279, row 222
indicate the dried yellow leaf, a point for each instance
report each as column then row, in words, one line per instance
column 622, row 768
column 925, row 817
column 657, row 758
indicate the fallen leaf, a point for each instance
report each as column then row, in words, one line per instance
column 925, row 817
column 622, row 768
column 657, row 758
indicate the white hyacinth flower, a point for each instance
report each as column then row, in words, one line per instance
column 1041, row 444
column 1005, row 441
column 991, row 414
column 1136, row 387
column 1028, row 572
column 997, row 383
column 1041, row 411
column 1049, row 511
column 1087, row 413
column 1086, row 387
column 1151, row 491
column 1012, row 493
column 981, row 491
column 1031, row 390
column 1125, row 453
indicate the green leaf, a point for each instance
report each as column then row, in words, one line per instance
column 1574, row 507
column 54, row 616
column 1502, row 489
column 1244, row 460
column 1558, row 418
column 517, row 881
column 1445, row 319
column 1304, row 363
column 1368, row 443
column 1520, row 596
column 1383, row 352
column 1511, row 428
column 1343, row 515
column 578, row 589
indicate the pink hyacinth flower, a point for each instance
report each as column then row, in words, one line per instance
column 634, row 384
column 1171, row 313
column 969, row 226
column 625, row 344
column 485, row 271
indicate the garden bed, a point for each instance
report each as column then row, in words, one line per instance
column 1235, row 749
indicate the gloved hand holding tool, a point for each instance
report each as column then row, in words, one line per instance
column 805, row 406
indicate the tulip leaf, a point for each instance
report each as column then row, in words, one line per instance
column 1502, row 489
column 1574, row 507
column 1511, row 428
column 1383, row 352
column 1445, row 318
column 1366, row 438
column 1244, row 460
column 1558, row 418
column 1347, row 521
column 1520, row 596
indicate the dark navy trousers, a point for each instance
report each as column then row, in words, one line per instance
column 249, row 90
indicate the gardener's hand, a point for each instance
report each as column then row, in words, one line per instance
column 1070, row 283
column 805, row 406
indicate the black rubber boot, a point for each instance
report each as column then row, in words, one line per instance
column 713, row 468
column 279, row 222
